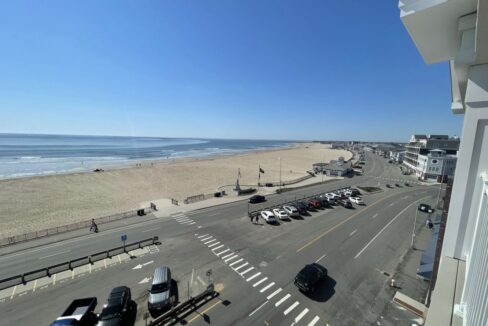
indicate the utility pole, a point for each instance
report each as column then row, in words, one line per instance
column 280, row 173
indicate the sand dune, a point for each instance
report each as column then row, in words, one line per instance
column 37, row 203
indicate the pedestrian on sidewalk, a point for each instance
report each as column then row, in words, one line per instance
column 257, row 219
column 252, row 219
column 429, row 223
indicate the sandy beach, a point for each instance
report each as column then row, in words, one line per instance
column 38, row 203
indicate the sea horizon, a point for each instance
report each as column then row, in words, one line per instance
column 29, row 155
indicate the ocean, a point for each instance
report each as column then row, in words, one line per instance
column 25, row 155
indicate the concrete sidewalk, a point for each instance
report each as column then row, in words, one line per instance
column 407, row 283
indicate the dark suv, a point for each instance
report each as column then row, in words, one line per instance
column 115, row 311
column 302, row 208
column 308, row 277
column 425, row 208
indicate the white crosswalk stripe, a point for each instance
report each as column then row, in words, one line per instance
column 282, row 300
column 259, row 282
column 228, row 255
column 238, row 268
column 314, row 321
column 274, row 293
column 236, row 262
column 300, row 316
column 222, row 252
column 253, row 277
column 267, row 287
column 230, row 258
column 247, row 270
column 290, row 308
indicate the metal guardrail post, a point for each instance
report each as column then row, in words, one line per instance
column 23, row 279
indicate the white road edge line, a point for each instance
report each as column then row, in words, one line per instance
column 255, row 310
column 384, row 228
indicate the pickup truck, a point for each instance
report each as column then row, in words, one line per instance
column 78, row 313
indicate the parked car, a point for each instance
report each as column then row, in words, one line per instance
column 281, row 214
column 291, row 210
column 268, row 216
column 356, row 200
column 397, row 185
column 309, row 276
column 355, row 192
column 331, row 198
column 345, row 203
column 79, row 312
column 115, row 311
column 161, row 296
column 425, row 208
column 324, row 202
column 314, row 203
column 257, row 199
column 302, row 207
column 388, row 185
column 407, row 184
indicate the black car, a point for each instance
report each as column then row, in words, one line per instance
column 397, row 185
column 302, row 208
column 425, row 208
column 323, row 201
column 115, row 311
column 388, row 185
column 407, row 184
column 345, row 203
column 257, row 199
column 308, row 277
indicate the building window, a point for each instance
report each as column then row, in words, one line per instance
column 434, row 161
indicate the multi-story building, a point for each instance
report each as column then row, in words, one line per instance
column 418, row 161
column 397, row 156
column 456, row 31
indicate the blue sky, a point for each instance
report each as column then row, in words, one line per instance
column 294, row 70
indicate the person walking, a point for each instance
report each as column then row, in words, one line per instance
column 252, row 219
column 94, row 226
column 257, row 219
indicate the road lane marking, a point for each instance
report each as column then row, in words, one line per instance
column 179, row 219
column 35, row 284
column 13, row 292
column 217, row 248
column 282, row 300
column 214, row 244
column 352, row 233
column 201, row 236
column 375, row 215
column 192, row 223
column 238, row 268
column 274, row 293
column 384, row 228
column 222, row 252
column 259, row 282
column 267, row 287
column 205, row 239
column 391, row 204
column 290, row 308
column 213, row 214
column 300, row 316
column 55, row 254
column 237, row 261
column 209, row 241
column 202, row 314
column 54, row 277
column 229, row 259
column 150, row 230
column 255, row 310
column 324, row 255
column 247, row 270
column 253, row 277
column 200, row 280
column 228, row 255
column 105, row 262
column 344, row 221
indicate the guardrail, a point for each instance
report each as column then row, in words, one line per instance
column 191, row 303
column 70, row 265
column 72, row 227
column 290, row 202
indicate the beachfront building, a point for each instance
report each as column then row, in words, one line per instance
column 337, row 167
column 397, row 155
column 436, row 166
column 416, row 158
column 456, row 31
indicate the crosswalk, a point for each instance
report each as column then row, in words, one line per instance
column 410, row 181
column 181, row 218
column 261, row 283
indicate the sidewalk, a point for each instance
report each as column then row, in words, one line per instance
column 407, row 283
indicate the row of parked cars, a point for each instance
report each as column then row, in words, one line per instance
column 119, row 306
column 344, row 197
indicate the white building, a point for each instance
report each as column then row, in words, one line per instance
column 456, row 31
column 397, row 156
column 436, row 165
column 416, row 158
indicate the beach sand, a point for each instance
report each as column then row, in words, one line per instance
column 37, row 203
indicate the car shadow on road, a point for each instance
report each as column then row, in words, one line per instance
column 324, row 290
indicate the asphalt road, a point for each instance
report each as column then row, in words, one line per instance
column 253, row 266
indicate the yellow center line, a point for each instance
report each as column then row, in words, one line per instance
column 346, row 220
column 200, row 314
